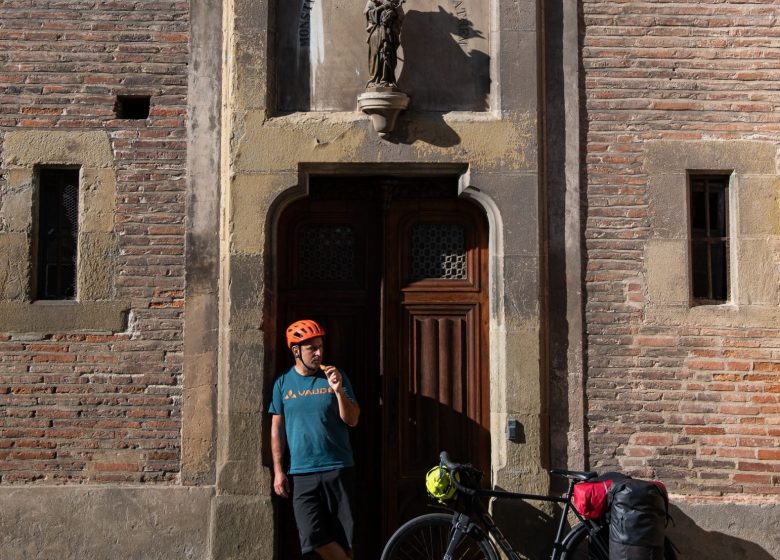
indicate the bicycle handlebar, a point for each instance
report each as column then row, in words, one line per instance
column 444, row 459
column 474, row 475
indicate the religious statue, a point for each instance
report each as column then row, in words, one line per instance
column 382, row 100
column 383, row 19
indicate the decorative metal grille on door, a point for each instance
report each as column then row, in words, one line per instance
column 439, row 252
column 327, row 252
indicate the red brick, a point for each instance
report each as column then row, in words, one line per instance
column 726, row 377
column 656, row 341
column 704, row 430
column 760, row 377
column 653, row 439
column 31, row 455
column 706, row 364
column 769, row 454
column 53, row 358
column 753, row 478
column 47, row 347
column 116, row 467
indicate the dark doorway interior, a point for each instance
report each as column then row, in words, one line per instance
column 396, row 272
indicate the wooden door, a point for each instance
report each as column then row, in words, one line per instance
column 436, row 375
column 399, row 284
column 329, row 270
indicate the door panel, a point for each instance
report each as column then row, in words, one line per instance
column 398, row 283
column 329, row 272
column 437, row 393
column 437, row 402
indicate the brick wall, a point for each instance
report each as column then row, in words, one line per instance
column 103, row 407
column 698, row 407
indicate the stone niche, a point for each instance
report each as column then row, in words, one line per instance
column 322, row 55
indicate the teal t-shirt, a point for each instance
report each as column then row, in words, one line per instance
column 317, row 437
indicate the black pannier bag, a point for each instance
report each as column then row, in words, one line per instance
column 637, row 520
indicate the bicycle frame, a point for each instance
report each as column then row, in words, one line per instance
column 463, row 521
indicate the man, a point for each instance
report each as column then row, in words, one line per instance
column 312, row 406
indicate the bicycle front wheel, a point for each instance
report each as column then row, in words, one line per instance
column 426, row 538
column 578, row 545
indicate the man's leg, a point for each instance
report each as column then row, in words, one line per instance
column 323, row 512
column 338, row 490
column 310, row 512
column 332, row 551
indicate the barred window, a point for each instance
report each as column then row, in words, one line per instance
column 58, row 211
column 709, row 238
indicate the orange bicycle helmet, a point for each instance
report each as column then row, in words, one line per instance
column 300, row 331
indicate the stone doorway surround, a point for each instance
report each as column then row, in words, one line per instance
column 247, row 162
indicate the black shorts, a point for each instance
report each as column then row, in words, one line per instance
column 322, row 503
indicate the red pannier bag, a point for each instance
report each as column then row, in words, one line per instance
column 591, row 498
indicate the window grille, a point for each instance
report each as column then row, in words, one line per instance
column 327, row 252
column 709, row 238
column 438, row 252
column 58, row 211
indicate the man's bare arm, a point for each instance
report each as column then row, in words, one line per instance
column 278, row 446
column 348, row 409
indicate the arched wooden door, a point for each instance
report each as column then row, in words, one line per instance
column 399, row 281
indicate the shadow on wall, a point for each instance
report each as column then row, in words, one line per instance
column 440, row 75
column 694, row 542
column 429, row 128
column 531, row 531
column 564, row 276
column 439, row 71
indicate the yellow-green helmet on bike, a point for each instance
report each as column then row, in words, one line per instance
column 439, row 484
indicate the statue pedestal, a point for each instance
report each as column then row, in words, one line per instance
column 382, row 104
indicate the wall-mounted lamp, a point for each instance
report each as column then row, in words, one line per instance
column 514, row 431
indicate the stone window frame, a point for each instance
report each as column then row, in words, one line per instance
column 95, row 307
column 754, row 199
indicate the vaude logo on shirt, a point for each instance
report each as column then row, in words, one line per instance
column 307, row 393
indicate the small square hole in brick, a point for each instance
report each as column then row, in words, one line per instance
column 132, row 106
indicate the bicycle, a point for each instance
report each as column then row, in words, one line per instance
column 468, row 531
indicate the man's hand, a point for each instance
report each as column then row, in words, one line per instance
column 348, row 409
column 281, row 485
column 334, row 378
